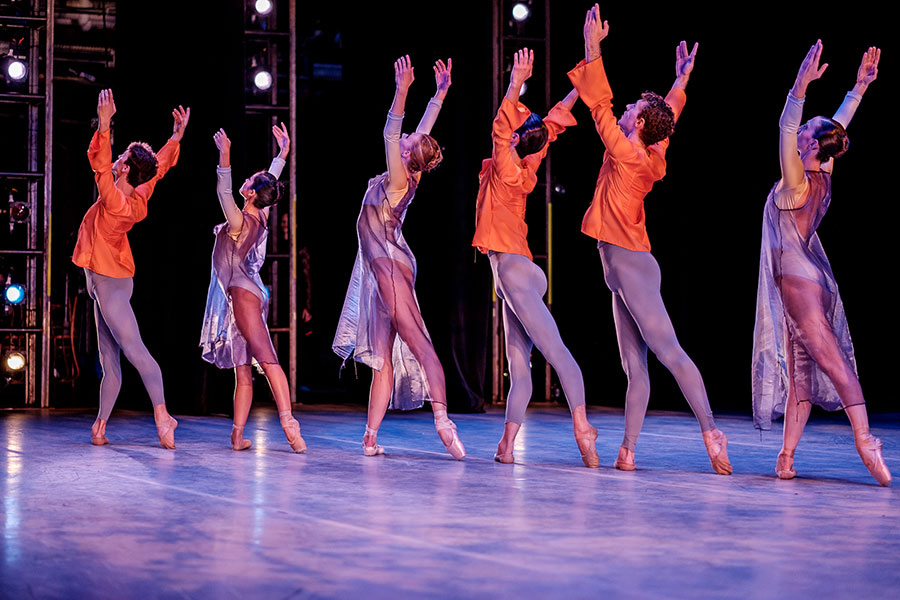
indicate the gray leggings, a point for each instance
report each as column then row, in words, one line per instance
column 642, row 322
column 117, row 330
column 521, row 285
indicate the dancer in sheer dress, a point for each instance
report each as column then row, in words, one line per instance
column 802, row 352
column 381, row 324
column 234, row 331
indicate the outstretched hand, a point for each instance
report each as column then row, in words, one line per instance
column 523, row 63
column 809, row 70
column 595, row 31
column 868, row 68
column 684, row 62
column 442, row 76
column 222, row 141
column 403, row 73
column 283, row 139
column 106, row 108
column 181, row 117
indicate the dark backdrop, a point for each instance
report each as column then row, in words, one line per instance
column 704, row 219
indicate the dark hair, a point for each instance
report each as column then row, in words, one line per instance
column 142, row 163
column 832, row 138
column 659, row 120
column 425, row 156
column 533, row 136
column 268, row 189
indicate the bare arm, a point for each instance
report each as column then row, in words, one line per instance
column 233, row 214
column 442, row 83
column 403, row 77
column 523, row 63
column 866, row 74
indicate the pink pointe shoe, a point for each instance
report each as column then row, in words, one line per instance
column 869, row 448
column 292, row 432
column 717, row 448
column 587, row 446
column 625, row 460
column 237, row 438
column 784, row 465
column 98, row 433
column 372, row 450
column 166, row 433
column 455, row 447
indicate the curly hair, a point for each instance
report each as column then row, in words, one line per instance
column 533, row 135
column 268, row 189
column 659, row 120
column 425, row 156
column 142, row 163
column 832, row 138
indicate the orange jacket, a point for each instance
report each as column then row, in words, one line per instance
column 102, row 243
column 504, row 185
column 629, row 170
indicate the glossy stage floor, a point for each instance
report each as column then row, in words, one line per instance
column 131, row 520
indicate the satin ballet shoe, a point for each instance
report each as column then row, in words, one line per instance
column 455, row 447
column 869, row 448
column 372, row 450
column 784, row 465
column 717, row 448
column 624, row 462
column 98, row 433
column 166, row 433
column 506, row 458
column 292, row 432
column 237, row 438
column 587, row 446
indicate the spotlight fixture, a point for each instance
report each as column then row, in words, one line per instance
column 14, row 361
column 263, row 7
column 16, row 70
column 14, row 293
column 262, row 80
column 521, row 11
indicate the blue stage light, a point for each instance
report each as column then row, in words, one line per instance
column 14, row 294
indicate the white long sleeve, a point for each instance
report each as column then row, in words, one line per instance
column 226, row 199
column 430, row 116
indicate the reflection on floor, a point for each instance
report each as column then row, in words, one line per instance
column 133, row 520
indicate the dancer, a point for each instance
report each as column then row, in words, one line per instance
column 520, row 142
column 381, row 324
column 802, row 353
column 635, row 159
column 102, row 250
column 234, row 327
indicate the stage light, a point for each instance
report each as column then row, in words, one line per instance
column 263, row 7
column 16, row 70
column 262, row 80
column 521, row 12
column 14, row 293
column 523, row 89
column 15, row 361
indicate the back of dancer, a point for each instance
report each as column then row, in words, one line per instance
column 802, row 352
column 520, row 142
column 634, row 160
column 103, row 251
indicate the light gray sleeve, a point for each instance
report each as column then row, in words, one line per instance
column 430, row 116
column 232, row 213
column 277, row 166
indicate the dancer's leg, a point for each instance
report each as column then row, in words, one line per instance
column 110, row 364
column 248, row 316
column 518, row 355
column 379, row 395
column 243, row 399
column 796, row 410
column 633, row 352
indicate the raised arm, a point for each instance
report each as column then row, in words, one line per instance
column 223, row 185
column 100, row 157
column 167, row 157
column 403, row 78
column 511, row 116
column 792, row 172
column 684, row 65
column 284, row 148
column 442, row 83
column 557, row 120
column 866, row 74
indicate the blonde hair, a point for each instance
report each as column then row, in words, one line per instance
column 425, row 156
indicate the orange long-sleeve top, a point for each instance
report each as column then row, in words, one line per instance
column 504, row 185
column 102, row 244
column 629, row 170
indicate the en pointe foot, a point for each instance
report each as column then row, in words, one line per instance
column 784, row 465
column 237, row 438
column 587, row 446
column 869, row 448
column 370, row 443
column 292, row 432
column 447, row 431
column 165, row 429
column 717, row 448
column 625, row 460
column 98, row 433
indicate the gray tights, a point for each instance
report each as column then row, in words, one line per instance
column 521, row 285
column 117, row 330
column 642, row 322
